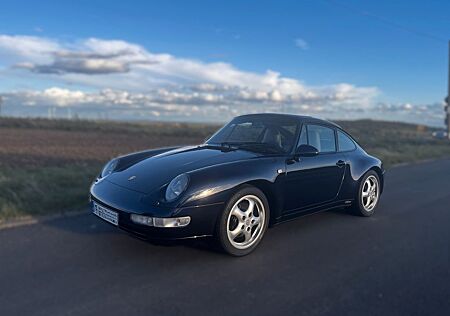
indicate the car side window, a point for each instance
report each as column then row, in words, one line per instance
column 322, row 138
column 345, row 142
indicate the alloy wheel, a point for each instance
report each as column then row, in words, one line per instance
column 370, row 193
column 245, row 222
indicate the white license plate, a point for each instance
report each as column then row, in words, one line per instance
column 106, row 214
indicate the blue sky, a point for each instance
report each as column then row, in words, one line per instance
column 391, row 56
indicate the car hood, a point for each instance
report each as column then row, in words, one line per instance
column 152, row 173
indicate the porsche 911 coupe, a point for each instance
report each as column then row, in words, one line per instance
column 257, row 171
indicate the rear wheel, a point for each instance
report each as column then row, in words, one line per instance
column 368, row 194
column 244, row 221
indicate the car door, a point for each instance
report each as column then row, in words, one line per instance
column 312, row 181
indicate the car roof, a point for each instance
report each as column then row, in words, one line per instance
column 300, row 118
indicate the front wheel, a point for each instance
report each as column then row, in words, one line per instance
column 244, row 221
column 368, row 194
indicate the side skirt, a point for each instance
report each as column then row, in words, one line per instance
column 313, row 210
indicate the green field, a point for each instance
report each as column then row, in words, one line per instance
column 46, row 166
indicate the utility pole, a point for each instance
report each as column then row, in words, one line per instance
column 1, row 102
column 447, row 100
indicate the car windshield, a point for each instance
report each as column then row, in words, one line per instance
column 265, row 134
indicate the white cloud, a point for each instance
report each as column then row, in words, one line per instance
column 301, row 43
column 91, row 56
column 29, row 48
column 193, row 104
column 127, row 75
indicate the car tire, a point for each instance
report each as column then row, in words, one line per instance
column 367, row 198
column 242, row 226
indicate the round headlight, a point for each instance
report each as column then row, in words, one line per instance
column 109, row 168
column 176, row 187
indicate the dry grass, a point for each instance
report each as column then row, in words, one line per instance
column 46, row 166
column 396, row 143
column 35, row 144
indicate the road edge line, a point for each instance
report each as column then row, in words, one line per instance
column 31, row 220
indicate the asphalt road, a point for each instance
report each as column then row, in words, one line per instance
column 394, row 263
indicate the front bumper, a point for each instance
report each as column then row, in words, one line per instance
column 126, row 202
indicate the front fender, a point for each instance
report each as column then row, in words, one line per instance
column 216, row 184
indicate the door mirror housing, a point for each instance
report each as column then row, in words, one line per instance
column 307, row 151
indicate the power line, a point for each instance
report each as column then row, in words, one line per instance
column 386, row 21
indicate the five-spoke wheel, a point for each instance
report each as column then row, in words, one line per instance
column 368, row 194
column 244, row 221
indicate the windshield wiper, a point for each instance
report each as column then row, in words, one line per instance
column 256, row 146
column 221, row 146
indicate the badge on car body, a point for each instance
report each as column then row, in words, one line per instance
column 131, row 178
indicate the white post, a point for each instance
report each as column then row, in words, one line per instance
column 448, row 95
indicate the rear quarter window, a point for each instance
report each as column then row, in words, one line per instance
column 345, row 143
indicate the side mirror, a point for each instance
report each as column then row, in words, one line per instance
column 307, row 151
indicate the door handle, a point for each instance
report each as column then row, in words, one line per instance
column 340, row 163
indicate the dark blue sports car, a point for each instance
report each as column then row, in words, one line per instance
column 255, row 172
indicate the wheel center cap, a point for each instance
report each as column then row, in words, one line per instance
column 247, row 222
